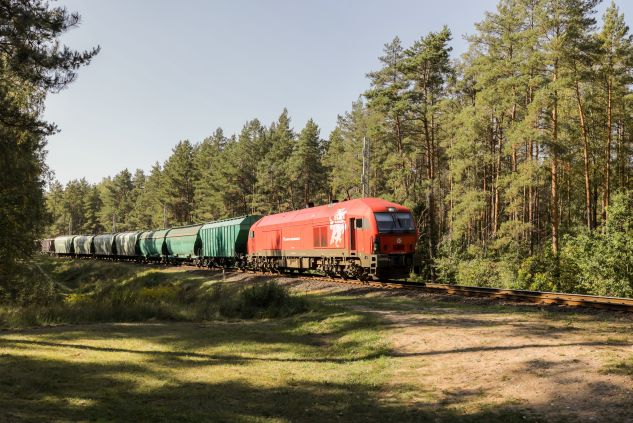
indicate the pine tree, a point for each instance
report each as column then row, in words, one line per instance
column 343, row 160
column 392, row 135
column 32, row 64
column 615, row 64
column 275, row 193
column 91, row 205
column 178, row 185
column 427, row 68
column 148, row 209
column 304, row 165
column 208, row 188
column 116, row 195
column 56, row 210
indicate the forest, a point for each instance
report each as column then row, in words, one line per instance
column 516, row 158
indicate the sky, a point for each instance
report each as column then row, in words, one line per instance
column 170, row 71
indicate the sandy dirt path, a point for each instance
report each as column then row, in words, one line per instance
column 549, row 366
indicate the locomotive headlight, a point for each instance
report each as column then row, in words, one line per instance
column 391, row 209
column 376, row 244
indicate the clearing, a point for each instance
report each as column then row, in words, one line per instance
column 358, row 355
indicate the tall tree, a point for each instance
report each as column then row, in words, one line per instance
column 391, row 135
column 427, row 68
column 32, row 64
column 304, row 165
column 342, row 158
column 615, row 64
column 178, row 187
column 208, row 188
column 274, row 191
column 116, row 195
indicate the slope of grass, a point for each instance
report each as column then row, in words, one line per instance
column 84, row 291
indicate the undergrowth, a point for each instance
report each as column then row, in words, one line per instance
column 133, row 294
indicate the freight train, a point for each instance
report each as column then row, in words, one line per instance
column 366, row 238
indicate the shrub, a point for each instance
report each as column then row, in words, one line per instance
column 477, row 272
column 269, row 300
column 602, row 260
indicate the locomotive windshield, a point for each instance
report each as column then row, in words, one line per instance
column 394, row 222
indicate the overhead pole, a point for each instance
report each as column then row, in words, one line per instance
column 364, row 178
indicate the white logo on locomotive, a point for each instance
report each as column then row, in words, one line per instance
column 337, row 227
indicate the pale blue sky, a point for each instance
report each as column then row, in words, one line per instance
column 172, row 70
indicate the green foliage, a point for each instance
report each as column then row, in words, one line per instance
column 509, row 151
column 305, row 167
column 61, row 291
column 209, row 162
column 178, row 187
column 273, row 189
column 32, row 64
column 604, row 259
column 267, row 299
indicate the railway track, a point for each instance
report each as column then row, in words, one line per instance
column 515, row 295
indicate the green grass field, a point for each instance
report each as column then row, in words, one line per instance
column 124, row 342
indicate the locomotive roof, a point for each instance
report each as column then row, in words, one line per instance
column 356, row 207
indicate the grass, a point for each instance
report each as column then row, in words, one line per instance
column 144, row 343
column 282, row 370
column 620, row 366
column 92, row 291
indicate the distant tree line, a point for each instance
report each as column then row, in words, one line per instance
column 263, row 170
column 516, row 158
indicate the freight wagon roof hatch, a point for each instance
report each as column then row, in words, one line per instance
column 232, row 221
column 154, row 234
column 184, row 231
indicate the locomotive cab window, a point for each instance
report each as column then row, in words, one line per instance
column 252, row 234
column 394, row 222
column 359, row 223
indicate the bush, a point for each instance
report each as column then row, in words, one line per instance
column 603, row 259
column 477, row 272
column 269, row 300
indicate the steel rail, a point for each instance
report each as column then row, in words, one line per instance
column 514, row 295
column 540, row 297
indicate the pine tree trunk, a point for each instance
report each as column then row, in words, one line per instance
column 495, row 221
column 607, row 154
column 554, row 215
column 585, row 140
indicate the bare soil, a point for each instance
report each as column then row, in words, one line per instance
column 468, row 355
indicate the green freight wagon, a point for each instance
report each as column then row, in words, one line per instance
column 224, row 242
column 64, row 245
column 104, row 245
column 126, row 244
column 183, row 243
column 151, row 244
column 83, row 245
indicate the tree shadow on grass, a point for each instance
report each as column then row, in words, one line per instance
column 34, row 389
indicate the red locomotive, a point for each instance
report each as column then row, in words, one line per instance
column 364, row 238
